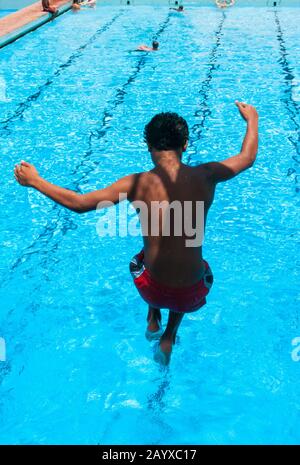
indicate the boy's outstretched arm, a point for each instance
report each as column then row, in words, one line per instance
column 227, row 169
column 27, row 175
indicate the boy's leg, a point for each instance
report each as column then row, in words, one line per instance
column 153, row 319
column 164, row 349
column 168, row 338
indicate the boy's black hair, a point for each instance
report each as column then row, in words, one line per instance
column 155, row 44
column 166, row 131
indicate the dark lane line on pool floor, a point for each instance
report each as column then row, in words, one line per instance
column 63, row 220
column 291, row 105
column 23, row 106
column 204, row 111
column 98, row 133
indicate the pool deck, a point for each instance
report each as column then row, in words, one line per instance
column 32, row 14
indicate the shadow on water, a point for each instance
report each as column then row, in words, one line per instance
column 156, row 401
column 157, row 404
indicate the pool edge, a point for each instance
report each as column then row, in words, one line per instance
column 32, row 25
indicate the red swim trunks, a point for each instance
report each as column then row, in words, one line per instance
column 185, row 299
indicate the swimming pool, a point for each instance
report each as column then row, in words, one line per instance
column 6, row 12
column 78, row 367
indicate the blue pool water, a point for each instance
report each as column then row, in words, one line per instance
column 6, row 12
column 78, row 368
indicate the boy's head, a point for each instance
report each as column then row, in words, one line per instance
column 180, row 8
column 167, row 131
column 155, row 45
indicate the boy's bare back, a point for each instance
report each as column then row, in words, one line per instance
column 167, row 257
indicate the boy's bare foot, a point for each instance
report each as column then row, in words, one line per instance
column 154, row 329
column 154, row 325
column 163, row 351
column 154, row 319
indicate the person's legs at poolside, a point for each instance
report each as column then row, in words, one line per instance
column 49, row 9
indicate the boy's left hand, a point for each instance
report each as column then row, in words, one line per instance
column 26, row 174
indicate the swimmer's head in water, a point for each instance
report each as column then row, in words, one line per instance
column 155, row 45
column 166, row 131
column 180, row 8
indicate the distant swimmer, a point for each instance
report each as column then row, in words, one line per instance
column 49, row 9
column 75, row 5
column 180, row 8
column 145, row 48
column 224, row 3
column 88, row 3
column 172, row 200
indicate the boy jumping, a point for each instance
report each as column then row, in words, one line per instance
column 167, row 272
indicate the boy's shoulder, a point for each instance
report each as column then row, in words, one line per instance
column 202, row 169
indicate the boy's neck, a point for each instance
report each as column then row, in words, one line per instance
column 166, row 158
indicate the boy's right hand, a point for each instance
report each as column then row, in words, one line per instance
column 26, row 174
column 248, row 112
